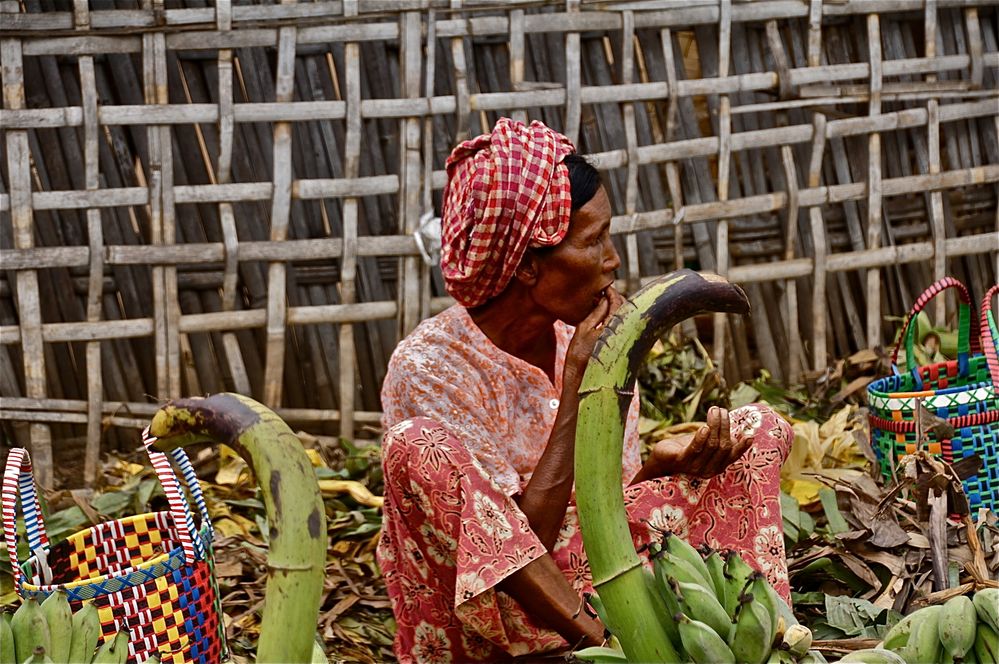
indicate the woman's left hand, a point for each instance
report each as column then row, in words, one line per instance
column 705, row 454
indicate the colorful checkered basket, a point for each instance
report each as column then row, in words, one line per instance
column 151, row 574
column 964, row 392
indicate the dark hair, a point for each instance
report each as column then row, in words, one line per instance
column 584, row 180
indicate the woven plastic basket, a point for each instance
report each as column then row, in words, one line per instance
column 152, row 574
column 961, row 391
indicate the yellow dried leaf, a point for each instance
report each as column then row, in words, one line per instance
column 232, row 471
column 357, row 491
column 227, row 527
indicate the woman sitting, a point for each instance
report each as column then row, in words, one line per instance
column 481, row 549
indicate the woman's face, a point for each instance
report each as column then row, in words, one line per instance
column 572, row 275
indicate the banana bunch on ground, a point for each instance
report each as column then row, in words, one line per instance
column 716, row 610
column 52, row 633
column 963, row 629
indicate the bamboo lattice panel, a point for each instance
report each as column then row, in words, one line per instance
column 200, row 198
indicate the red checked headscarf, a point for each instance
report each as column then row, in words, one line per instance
column 506, row 191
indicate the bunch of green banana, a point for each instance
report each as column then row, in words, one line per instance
column 714, row 608
column 53, row 633
column 963, row 629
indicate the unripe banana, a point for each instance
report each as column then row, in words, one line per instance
column 38, row 656
column 986, row 644
column 924, row 639
column 760, row 589
column 986, row 603
column 155, row 658
column 86, row 633
column 702, row 644
column 876, row 656
column 797, row 640
column 667, row 565
column 680, row 548
column 715, row 565
column 59, row 617
column 700, row 604
column 957, row 626
column 114, row 650
column 898, row 636
column 318, row 654
column 7, row 655
column 750, row 640
column 30, row 629
column 778, row 656
column 661, row 605
column 736, row 574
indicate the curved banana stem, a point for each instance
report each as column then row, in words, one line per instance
column 297, row 556
column 605, row 397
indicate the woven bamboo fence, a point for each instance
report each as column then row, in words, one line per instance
column 203, row 197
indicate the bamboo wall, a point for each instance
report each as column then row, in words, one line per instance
column 202, row 197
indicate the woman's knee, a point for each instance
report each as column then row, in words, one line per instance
column 413, row 447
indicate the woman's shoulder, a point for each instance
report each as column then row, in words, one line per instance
column 433, row 338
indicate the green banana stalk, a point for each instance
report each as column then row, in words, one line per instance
column 605, row 393
column 737, row 575
column 680, row 549
column 986, row 603
column 7, row 655
column 750, row 640
column 86, row 633
column 701, row 605
column 297, row 556
column 703, row 644
column 114, row 650
column 986, row 645
column 59, row 617
column 874, row 656
column 30, row 629
column 956, row 626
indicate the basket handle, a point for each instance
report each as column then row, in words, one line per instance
column 190, row 539
column 19, row 481
column 967, row 340
column 990, row 334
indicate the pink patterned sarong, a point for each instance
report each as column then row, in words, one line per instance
column 452, row 532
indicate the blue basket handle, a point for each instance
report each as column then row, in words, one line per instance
column 19, row 484
column 190, row 539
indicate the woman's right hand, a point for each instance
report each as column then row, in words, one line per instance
column 587, row 332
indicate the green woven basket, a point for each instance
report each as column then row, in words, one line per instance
column 964, row 391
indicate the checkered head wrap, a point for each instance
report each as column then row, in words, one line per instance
column 506, row 191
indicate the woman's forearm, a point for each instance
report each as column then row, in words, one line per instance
column 546, row 496
column 541, row 590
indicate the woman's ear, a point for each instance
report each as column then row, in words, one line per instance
column 527, row 271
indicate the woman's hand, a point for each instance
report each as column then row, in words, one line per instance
column 705, row 454
column 585, row 337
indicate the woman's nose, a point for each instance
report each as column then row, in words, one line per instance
column 612, row 261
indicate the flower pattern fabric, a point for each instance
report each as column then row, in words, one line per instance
column 452, row 532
